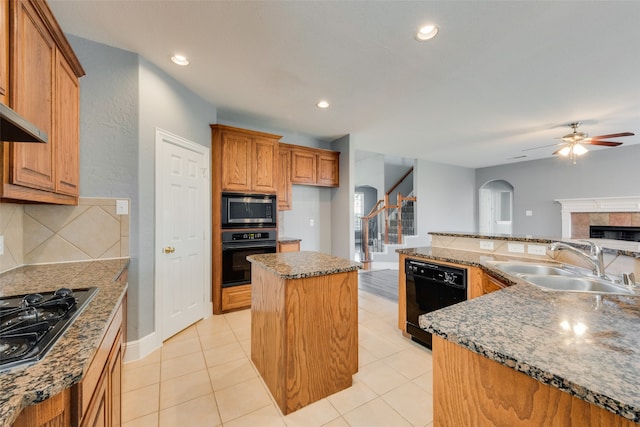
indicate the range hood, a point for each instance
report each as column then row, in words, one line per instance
column 15, row 128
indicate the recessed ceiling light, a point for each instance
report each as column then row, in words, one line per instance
column 323, row 104
column 180, row 60
column 426, row 33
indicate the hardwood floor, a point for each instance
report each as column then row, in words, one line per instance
column 383, row 283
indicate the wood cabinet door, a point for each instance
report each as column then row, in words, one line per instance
column 303, row 167
column 284, row 179
column 98, row 411
column 328, row 170
column 66, row 129
column 33, row 56
column 265, row 169
column 236, row 162
column 4, row 50
column 115, row 383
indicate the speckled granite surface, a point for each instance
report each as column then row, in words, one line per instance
column 297, row 265
column 66, row 362
column 585, row 345
column 618, row 247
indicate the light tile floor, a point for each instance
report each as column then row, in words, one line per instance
column 204, row 377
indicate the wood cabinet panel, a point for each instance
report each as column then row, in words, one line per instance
column 284, row 178
column 33, row 66
column 265, row 165
column 4, row 51
column 328, row 169
column 43, row 87
column 303, row 166
column 236, row 162
column 314, row 166
column 495, row 395
column 289, row 246
column 236, row 297
column 490, row 284
column 53, row 412
column 67, row 132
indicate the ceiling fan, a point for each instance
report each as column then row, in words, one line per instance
column 573, row 144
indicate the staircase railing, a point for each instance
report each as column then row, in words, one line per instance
column 396, row 221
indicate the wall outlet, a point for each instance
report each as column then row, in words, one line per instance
column 537, row 249
column 516, row 248
column 312, row 223
column 122, row 207
column 528, row 213
column 486, row 244
column 1, row 245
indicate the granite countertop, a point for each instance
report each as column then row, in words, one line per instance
column 618, row 247
column 297, row 265
column 71, row 355
column 583, row 344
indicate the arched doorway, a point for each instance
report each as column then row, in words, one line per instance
column 496, row 208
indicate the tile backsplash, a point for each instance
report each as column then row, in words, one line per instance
column 38, row 233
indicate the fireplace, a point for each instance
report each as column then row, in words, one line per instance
column 631, row 234
column 579, row 214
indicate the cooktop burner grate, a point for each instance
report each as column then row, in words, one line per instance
column 31, row 324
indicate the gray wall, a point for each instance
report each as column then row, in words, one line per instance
column 602, row 173
column 123, row 99
column 446, row 198
column 342, row 230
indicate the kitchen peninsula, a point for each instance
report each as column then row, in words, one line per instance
column 70, row 380
column 528, row 357
column 304, row 325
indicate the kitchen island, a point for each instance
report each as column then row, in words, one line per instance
column 67, row 364
column 527, row 357
column 304, row 325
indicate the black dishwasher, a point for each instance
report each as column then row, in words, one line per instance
column 429, row 288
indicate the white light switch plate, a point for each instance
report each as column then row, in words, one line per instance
column 537, row 249
column 516, row 248
column 1, row 245
column 486, row 244
column 122, row 207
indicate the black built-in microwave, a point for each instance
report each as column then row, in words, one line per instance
column 248, row 210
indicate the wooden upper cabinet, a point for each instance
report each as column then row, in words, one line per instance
column 33, row 66
column 4, row 51
column 303, row 166
column 314, row 166
column 67, row 132
column 249, row 159
column 328, row 169
column 284, row 179
column 43, row 88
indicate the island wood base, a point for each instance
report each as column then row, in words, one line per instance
column 471, row 390
column 304, row 334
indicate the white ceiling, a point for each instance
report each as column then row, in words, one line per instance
column 500, row 77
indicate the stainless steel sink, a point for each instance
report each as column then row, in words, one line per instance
column 519, row 268
column 559, row 277
column 576, row 284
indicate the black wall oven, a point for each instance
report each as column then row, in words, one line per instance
column 431, row 287
column 249, row 210
column 237, row 245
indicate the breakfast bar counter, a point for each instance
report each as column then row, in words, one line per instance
column 533, row 357
column 304, row 325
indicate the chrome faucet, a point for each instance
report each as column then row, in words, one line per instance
column 594, row 257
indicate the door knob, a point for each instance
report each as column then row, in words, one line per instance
column 169, row 250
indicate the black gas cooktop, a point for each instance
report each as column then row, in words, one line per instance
column 31, row 324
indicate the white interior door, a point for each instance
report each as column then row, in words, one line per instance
column 181, row 217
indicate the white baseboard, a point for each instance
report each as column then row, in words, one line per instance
column 146, row 345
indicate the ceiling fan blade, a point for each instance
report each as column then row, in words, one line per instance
column 605, row 143
column 613, row 135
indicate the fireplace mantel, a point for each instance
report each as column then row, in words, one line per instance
column 595, row 204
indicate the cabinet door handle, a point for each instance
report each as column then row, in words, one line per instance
column 169, row 250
